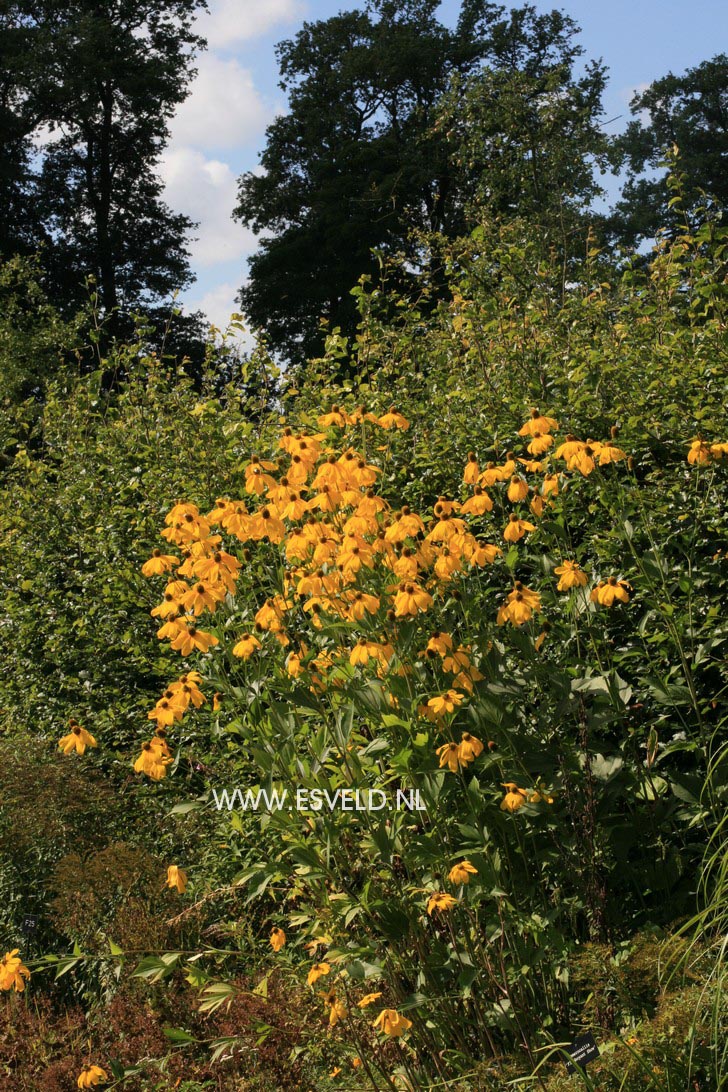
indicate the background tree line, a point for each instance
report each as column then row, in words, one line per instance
column 398, row 127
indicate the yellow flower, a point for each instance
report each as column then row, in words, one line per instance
column 294, row 666
column 364, row 651
column 571, row 575
column 484, row 553
column 78, row 739
column 445, row 703
column 317, row 971
column 190, row 638
column 472, row 471
column 277, row 938
column 246, row 646
column 337, row 1069
column 540, row 794
column 167, row 710
column 461, row 872
column 608, row 452
column 13, row 972
column 177, row 877
column 90, row 1076
column 516, row 528
column 583, row 460
column 517, row 609
column 478, row 504
column 337, row 1008
column 550, row 485
column 699, row 452
column 540, row 443
column 410, row 599
column 439, row 643
column 514, row 799
column 333, row 417
column 159, row 563
column 517, row 489
column 570, row 447
column 538, row 423
column 392, row 1023
column 440, row 901
column 607, row 591
column 220, row 568
column 153, row 761
column 393, row 420
column 469, row 749
column 203, row 597
column 369, row 999
column 449, row 755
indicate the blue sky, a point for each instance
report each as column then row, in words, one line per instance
column 220, row 130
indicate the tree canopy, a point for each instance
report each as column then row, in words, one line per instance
column 101, row 81
column 689, row 113
column 364, row 155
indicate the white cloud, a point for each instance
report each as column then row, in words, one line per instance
column 628, row 93
column 229, row 22
column 206, row 190
column 218, row 304
column 223, row 109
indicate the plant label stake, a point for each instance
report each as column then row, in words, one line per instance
column 584, row 1049
column 30, row 924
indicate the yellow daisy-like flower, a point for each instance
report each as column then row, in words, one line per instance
column 449, row 755
column 445, row 703
column 277, row 938
column 318, row 971
column 514, row 798
column 393, row 420
column 441, row 902
column 472, row 470
column 538, row 423
column 607, row 591
column 699, row 452
column 364, row 651
column 78, row 739
column 478, row 504
column 461, row 872
column 159, row 563
column 540, row 443
column 369, row 999
column 410, row 600
column 13, row 972
column 337, row 1009
column 191, row 638
column 572, row 576
column 608, row 452
column 153, row 761
column 392, row 1023
column 441, row 643
column 469, row 749
column 333, row 418
column 516, row 528
column 176, row 878
column 91, row 1076
column 517, row 610
column 246, row 646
